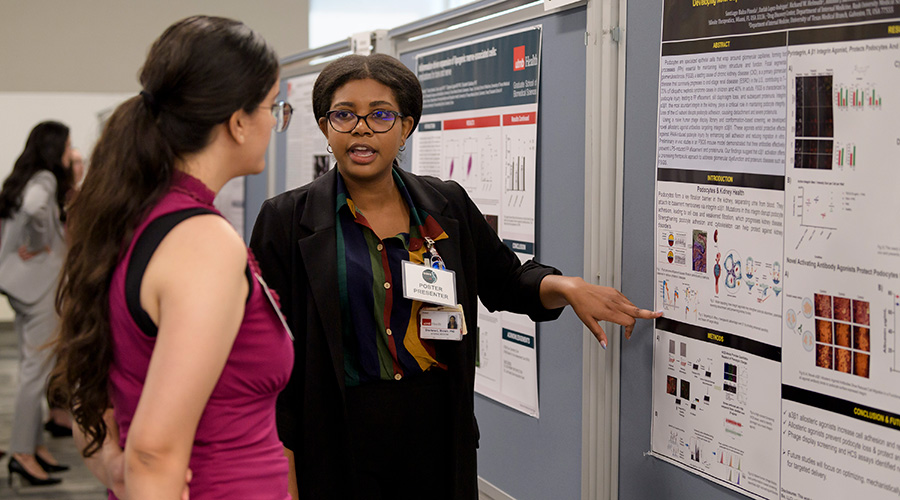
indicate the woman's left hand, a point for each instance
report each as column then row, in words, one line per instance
column 593, row 304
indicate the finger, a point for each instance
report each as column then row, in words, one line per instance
column 621, row 318
column 628, row 330
column 597, row 330
column 645, row 313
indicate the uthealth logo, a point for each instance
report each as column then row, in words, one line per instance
column 519, row 58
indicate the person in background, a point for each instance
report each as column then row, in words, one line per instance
column 60, row 422
column 164, row 316
column 375, row 408
column 32, row 249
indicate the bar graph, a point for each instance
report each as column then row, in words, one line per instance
column 857, row 97
column 845, row 155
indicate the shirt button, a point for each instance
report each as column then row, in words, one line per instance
column 380, row 247
column 397, row 376
column 387, row 285
column 389, row 332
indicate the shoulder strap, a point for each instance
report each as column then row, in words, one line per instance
column 144, row 248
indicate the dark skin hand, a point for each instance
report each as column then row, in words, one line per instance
column 593, row 304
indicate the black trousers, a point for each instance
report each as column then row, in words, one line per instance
column 400, row 437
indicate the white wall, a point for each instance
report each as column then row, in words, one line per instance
column 99, row 45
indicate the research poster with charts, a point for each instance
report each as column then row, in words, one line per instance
column 307, row 156
column 775, row 367
column 479, row 129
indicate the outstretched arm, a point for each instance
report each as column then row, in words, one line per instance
column 593, row 304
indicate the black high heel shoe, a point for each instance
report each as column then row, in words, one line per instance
column 47, row 466
column 17, row 468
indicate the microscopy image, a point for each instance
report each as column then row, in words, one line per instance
column 861, row 338
column 861, row 364
column 842, row 309
column 861, row 312
column 698, row 258
column 842, row 333
column 671, row 385
column 685, row 389
column 823, row 355
column 823, row 305
column 823, row 331
column 842, row 360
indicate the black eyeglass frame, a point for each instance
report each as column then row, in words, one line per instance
column 397, row 117
column 282, row 111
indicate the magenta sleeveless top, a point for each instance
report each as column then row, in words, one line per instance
column 236, row 452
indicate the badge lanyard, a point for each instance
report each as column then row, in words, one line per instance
column 434, row 261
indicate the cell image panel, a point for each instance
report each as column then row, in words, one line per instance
column 861, row 364
column 842, row 334
column 814, row 106
column 685, row 390
column 823, row 305
column 861, row 338
column 842, row 309
column 698, row 257
column 861, row 312
column 824, row 331
column 815, row 154
column 824, row 356
column 842, row 360
column 671, row 385
column 494, row 222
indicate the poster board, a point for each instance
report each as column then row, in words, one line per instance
column 775, row 368
column 307, row 155
column 479, row 128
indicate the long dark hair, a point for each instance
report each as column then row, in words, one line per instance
column 382, row 68
column 44, row 150
column 198, row 73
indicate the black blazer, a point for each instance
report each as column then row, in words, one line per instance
column 295, row 242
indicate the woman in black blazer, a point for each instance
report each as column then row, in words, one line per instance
column 333, row 249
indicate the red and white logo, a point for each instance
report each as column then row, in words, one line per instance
column 426, row 321
column 519, row 58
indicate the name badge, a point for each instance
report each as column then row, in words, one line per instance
column 425, row 284
column 442, row 323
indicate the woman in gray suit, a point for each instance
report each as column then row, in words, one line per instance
column 32, row 249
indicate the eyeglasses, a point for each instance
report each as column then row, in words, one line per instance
column 282, row 112
column 344, row 121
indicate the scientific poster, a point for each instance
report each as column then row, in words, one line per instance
column 479, row 128
column 776, row 370
column 307, row 157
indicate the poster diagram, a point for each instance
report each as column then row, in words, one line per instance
column 479, row 129
column 776, row 172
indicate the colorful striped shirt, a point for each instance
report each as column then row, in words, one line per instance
column 380, row 326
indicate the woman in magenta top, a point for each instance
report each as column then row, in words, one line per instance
column 171, row 347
